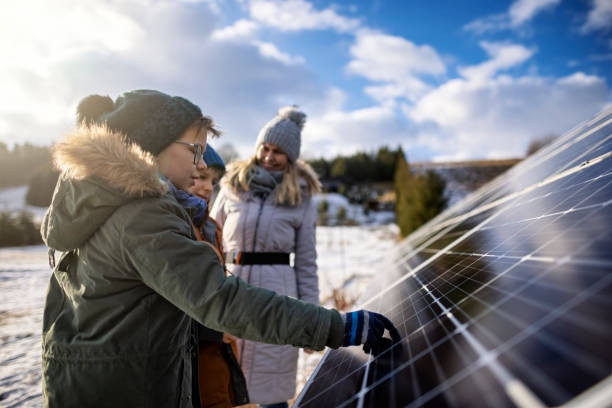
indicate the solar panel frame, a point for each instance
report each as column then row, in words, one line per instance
column 482, row 285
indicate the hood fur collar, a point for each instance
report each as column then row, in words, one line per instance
column 97, row 152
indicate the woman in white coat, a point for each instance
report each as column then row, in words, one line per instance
column 266, row 210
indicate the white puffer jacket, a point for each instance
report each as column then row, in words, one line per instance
column 252, row 225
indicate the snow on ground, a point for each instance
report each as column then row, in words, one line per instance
column 13, row 199
column 347, row 258
column 24, row 273
column 353, row 212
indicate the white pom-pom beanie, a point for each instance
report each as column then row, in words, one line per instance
column 284, row 131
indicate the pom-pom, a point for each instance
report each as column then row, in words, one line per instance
column 293, row 114
column 92, row 107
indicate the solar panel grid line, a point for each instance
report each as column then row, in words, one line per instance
column 579, row 357
column 586, row 153
column 473, row 323
column 300, row 397
column 568, row 141
column 453, row 339
column 546, row 153
column 332, row 383
column 428, row 261
column 563, row 143
column 361, row 393
column 527, row 278
column 526, row 190
column 571, row 133
column 584, row 321
column 431, row 393
column 603, row 187
column 434, row 358
column 521, row 395
column 418, row 356
column 553, row 315
column 409, row 363
column 501, row 301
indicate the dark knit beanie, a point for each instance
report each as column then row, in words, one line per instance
column 213, row 159
column 284, row 131
column 149, row 118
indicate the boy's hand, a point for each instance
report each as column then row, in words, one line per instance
column 228, row 338
column 367, row 328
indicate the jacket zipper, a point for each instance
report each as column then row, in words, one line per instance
column 263, row 200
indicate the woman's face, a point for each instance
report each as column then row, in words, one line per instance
column 176, row 161
column 271, row 157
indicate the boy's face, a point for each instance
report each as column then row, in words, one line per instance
column 176, row 161
column 204, row 186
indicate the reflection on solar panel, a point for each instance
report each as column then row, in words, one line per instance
column 503, row 300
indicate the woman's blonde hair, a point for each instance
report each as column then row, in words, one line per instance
column 288, row 192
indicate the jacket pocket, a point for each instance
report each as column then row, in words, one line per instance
column 56, row 292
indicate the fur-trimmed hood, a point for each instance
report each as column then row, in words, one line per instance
column 100, row 172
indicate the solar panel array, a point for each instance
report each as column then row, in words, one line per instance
column 504, row 299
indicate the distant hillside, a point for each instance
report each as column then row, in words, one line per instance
column 464, row 177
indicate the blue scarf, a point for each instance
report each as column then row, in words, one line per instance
column 191, row 203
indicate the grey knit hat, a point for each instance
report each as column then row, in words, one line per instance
column 284, row 131
column 149, row 118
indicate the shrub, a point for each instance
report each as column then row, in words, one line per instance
column 18, row 229
column 322, row 209
column 539, row 143
column 341, row 214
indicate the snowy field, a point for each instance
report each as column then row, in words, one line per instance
column 347, row 258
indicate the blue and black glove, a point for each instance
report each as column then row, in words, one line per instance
column 367, row 328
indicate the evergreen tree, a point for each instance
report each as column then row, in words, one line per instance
column 419, row 197
column 20, row 229
column 9, row 232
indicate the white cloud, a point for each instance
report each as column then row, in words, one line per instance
column 503, row 56
column 519, row 13
column 410, row 88
column 297, row 15
column 169, row 48
column 498, row 117
column 492, row 23
column 599, row 17
column 270, row 50
column 382, row 57
column 345, row 132
column 241, row 30
column 241, row 80
column 395, row 63
column 522, row 11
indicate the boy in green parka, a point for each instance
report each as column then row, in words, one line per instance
column 119, row 317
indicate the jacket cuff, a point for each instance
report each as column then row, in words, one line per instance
column 336, row 330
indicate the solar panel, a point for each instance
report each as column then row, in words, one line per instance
column 502, row 300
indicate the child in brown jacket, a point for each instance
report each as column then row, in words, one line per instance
column 221, row 381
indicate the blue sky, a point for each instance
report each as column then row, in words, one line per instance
column 446, row 80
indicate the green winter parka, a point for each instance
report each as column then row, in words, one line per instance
column 119, row 312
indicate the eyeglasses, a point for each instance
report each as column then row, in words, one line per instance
column 198, row 150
